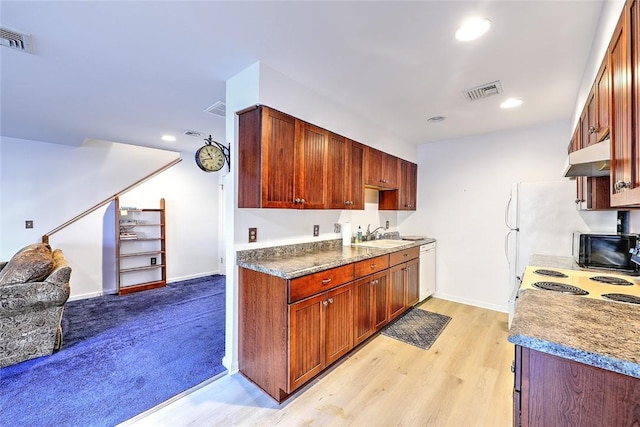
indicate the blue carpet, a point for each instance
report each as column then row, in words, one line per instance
column 121, row 355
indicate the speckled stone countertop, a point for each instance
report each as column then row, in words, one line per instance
column 599, row 333
column 291, row 261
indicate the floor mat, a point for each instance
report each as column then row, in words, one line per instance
column 417, row 327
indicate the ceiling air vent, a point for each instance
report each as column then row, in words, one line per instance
column 483, row 91
column 192, row 133
column 15, row 40
column 219, row 109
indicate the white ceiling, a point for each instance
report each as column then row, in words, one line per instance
column 132, row 71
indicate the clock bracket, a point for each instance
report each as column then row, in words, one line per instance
column 226, row 150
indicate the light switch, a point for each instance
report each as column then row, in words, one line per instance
column 316, row 230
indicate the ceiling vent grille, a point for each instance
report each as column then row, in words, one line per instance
column 483, row 91
column 219, row 109
column 193, row 133
column 15, row 40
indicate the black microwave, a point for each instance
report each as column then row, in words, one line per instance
column 605, row 251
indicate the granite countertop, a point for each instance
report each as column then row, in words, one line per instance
column 291, row 261
column 599, row 333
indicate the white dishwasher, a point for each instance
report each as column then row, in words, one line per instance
column 427, row 270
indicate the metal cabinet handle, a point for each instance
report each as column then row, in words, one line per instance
column 325, row 303
column 374, row 282
column 326, row 281
column 330, row 300
column 513, row 366
column 592, row 129
column 373, row 266
column 622, row 184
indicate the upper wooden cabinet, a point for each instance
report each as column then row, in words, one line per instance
column 310, row 190
column 282, row 161
column 602, row 100
column 588, row 132
column 266, row 158
column 404, row 198
column 623, row 68
column 381, row 170
column 345, row 180
column 285, row 162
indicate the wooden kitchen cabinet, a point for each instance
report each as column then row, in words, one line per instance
column 553, row 391
column 404, row 280
column 602, row 100
column 381, row 170
column 381, row 293
column 310, row 190
column 282, row 161
column 404, row 198
column 589, row 134
column 320, row 332
column 623, row 65
column 370, row 305
column 345, row 178
column 266, row 158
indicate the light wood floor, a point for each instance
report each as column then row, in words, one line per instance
column 464, row 379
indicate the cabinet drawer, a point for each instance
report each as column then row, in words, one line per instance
column 403, row 256
column 370, row 266
column 306, row 286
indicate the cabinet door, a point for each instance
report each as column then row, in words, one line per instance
column 373, row 167
column 390, row 167
column 311, row 166
column 380, row 288
column 355, row 175
column 337, row 173
column 588, row 121
column 278, row 159
column 306, row 340
column 602, row 100
column 339, row 323
column 408, row 185
column 363, row 309
column 412, row 275
column 622, row 161
column 397, row 290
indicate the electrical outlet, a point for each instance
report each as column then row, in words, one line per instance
column 253, row 234
column 316, row 230
column 154, row 261
column 28, row 224
column 386, row 225
column 336, row 228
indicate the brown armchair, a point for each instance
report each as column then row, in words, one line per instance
column 34, row 286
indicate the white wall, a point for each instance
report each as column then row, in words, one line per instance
column 52, row 183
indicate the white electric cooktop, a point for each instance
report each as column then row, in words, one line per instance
column 584, row 283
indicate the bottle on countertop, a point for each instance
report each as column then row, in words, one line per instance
column 359, row 235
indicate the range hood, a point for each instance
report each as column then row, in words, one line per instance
column 593, row 160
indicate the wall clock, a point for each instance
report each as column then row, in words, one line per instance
column 212, row 156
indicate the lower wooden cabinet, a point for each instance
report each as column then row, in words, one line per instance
column 370, row 305
column 553, row 391
column 291, row 330
column 320, row 332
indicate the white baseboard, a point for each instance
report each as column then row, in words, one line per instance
column 475, row 303
column 231, row 365
column 192, row 276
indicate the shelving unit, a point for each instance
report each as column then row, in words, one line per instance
column 140, row 248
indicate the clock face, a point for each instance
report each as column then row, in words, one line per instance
column 210, row 158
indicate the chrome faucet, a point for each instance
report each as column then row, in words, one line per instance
column 370, row 233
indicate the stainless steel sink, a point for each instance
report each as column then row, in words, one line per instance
column 383, row 243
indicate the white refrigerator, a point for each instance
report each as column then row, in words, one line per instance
column 540, row 217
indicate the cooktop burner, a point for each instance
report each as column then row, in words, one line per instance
column 631, row 299
column 560, row 287
column 609, row 280
column 551, row 273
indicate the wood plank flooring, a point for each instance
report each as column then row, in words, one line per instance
column 464, row 379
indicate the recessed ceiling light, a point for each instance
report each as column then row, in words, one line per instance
column 511, row 103
column 472, row 28
column 169, row 138
column 436, row 119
